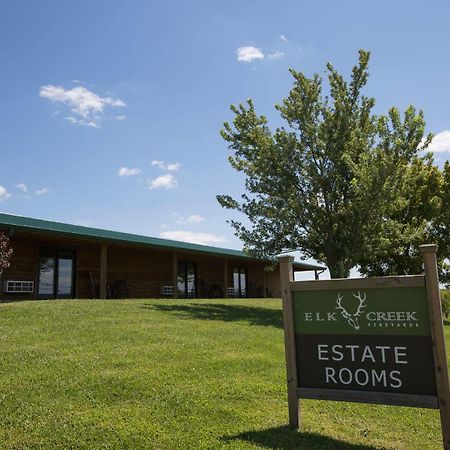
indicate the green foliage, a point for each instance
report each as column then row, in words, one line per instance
column 413, row 210
column 339, row 183
column 445, row 302
column 172, row 374
column 441, row 225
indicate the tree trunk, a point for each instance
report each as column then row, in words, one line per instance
column 338, row 269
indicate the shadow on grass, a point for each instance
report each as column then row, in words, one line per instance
column 223, row 312
column 285, row 438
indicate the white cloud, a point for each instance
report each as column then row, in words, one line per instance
column 249, row 54
column 42, row 191
column 86, row 106
column 86, row 123
column 440, row 142
column 194, row 218
column 4, row 194
column 195, row 238
column 126, row 172
column 164, row 181
column 23, row 187
column 276, row 55
column 283, row 38
column 171, row 167
column 121, row 117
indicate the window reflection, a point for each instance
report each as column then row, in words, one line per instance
column 56, row 274
column 181, row 281
column 65, row 275
column 240, row 282
column 186, row 280
column 46, row 275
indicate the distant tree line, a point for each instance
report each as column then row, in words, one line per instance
column 339, row 183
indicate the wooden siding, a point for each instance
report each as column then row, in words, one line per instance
column 23, row 267
column 273, row 283
column 145, row 270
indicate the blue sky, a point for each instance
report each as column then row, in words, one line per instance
column 110, row 111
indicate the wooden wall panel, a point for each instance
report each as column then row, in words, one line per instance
column 255, row 280
column 144, row 270
column 210, row 277
column 88, row 265
column 273, row 283
column 23, row 267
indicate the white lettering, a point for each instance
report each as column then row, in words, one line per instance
column 383, row 354
column 341, row 372
column 352, row 350
column 396, row 379
column 329, row 375
column 367, row 353
column 336, row 351
column 363, row 377
column 308, row 317
column 358, row 379
column 322, row 348
column 378, row 378
column 391, row 315
column 398, row 354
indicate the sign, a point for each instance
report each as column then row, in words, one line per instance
column 372, row 340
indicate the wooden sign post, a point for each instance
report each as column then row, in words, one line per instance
column 371, row 340
column 440, row 355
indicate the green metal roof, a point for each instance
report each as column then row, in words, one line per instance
column 65, row 229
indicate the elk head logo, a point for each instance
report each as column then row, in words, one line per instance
column 352, row 319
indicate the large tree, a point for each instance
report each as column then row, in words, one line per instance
column 325, row 183
column 441, row 225
column 411, row 222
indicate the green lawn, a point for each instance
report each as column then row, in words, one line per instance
column 171, row 374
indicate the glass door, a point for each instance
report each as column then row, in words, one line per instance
column 187, row 280
column 56, row 274
column 64, row 279
column 46, row 277
column 240, row 282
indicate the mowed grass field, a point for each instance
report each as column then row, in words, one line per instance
column 171, row 374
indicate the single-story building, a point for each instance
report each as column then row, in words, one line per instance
column 58, row 260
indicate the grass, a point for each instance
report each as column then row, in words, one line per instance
column 126, row 374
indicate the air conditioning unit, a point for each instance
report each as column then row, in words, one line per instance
column 19, row 287
column 167, row 290
column 231, row 291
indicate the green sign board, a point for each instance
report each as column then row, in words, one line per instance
column 372, row 339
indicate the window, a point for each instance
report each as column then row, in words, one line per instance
column 19, row 286
column 56, row 274
column 187, row 280
column 240, row 282
column 167, row 290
